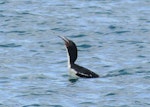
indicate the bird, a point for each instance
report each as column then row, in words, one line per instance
column 76, row 71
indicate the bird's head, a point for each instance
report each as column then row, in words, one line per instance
column 68, row 43
column 71, row 48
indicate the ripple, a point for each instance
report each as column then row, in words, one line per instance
column 118, row 73
column 135, row 42
column 56, row 106
column 87, row 103
column 3, row 2
column 10, row 45
column 148, row 21
column 141, row 47
column 123, row 72
column 106, row 12
column 2, row 16
column 60, row 29
column 80, row 35
column 4, row 80
column 121, row 41
column 112, row 27
column 76, row 8
column 147, row 77
column 32, row 105
column 142, row 71
column 51, row 91
column 107, row 66
column 38, row 76
column 25, row 13
column 145, row 30
column 120, row 32
column 38, row 94
column 41, row 105
column 100, row 33
column 33, row 50
column 21, row 32
column 129, row 42
column 139, row 67
column 141, row 56
column 35, row 94
column 85, row 46
column 110, row 94
column 56, row 29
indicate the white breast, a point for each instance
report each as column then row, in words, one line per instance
column 73, row 73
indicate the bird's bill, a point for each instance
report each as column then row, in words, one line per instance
column 65, row 40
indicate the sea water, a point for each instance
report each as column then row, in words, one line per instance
column 113, row 40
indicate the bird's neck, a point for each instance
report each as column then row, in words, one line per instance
column 72, row 56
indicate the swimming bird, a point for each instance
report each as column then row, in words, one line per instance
column 75, row 70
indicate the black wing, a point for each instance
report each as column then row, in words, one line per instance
column 84, row 72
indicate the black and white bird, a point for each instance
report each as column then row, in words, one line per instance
column 75, row 70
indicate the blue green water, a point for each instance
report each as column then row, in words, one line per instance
column 113, row 39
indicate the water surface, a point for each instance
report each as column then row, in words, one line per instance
column 113, row 39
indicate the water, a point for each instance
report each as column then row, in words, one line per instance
column 113, row 39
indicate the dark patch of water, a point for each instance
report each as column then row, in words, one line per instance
column 85, row 46
column 10, row 45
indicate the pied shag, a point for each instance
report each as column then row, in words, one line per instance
column 75, row 70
